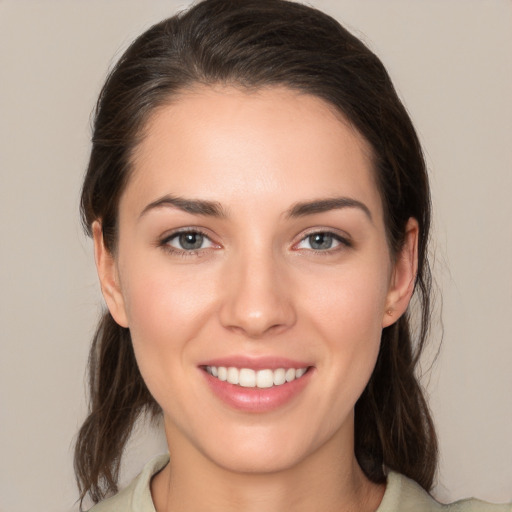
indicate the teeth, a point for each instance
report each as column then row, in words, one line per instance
column 300, row 372
column 279, row 376
column 265, row 379
column 248, row 378
column 290, row 374
column 233, row 375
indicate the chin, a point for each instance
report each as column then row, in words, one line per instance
column 263, row 460
column 261, row 450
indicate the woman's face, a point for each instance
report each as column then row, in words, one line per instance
column 252, row 245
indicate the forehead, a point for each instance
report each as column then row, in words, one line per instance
column 224, row 143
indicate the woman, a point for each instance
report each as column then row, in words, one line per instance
column 260, row 211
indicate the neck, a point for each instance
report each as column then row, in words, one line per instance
column 330, row 480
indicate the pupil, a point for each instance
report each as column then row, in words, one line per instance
column 191, row 241
column 320, row 241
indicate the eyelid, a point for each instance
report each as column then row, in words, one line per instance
column 343, row 238
column 163, row 241
column 179, row 231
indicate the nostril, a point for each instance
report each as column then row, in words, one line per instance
column 256, row 301
column 253, row 331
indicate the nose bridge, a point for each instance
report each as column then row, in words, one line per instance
column 256, row 298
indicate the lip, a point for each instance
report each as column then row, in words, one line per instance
column 257, row 400
column 256, row 363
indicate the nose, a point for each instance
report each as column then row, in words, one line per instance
column 257, row 296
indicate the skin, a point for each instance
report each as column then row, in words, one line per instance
column 256, row 287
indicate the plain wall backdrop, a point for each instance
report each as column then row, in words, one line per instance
column 451, row 63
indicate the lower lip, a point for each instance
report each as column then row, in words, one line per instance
column 257, row 400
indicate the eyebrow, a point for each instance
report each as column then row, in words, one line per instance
column 215, row 209
column 324, row 205
column 193, row 206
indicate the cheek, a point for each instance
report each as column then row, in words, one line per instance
column 166, row 312
column 348, row 314
column 351, row 300
column 166, row 307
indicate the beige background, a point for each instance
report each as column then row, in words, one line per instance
column 451, row 62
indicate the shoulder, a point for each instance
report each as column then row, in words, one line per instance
column 403, row 494
column 137, row 496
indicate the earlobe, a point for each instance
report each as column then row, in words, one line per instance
column 404, row 276
column 108, row 276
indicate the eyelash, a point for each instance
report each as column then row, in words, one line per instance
column 164, row 243
column 343, row 242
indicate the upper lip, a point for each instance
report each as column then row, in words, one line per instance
column 255, row 363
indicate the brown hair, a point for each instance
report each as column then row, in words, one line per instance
column 252, row 44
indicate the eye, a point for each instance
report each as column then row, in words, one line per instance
column 188, row 241
column 322, row 241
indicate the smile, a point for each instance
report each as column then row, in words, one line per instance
column 249, row 378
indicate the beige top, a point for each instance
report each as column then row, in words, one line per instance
column 401, row 495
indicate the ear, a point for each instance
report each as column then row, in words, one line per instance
column 403, row 276
column 108, row 275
